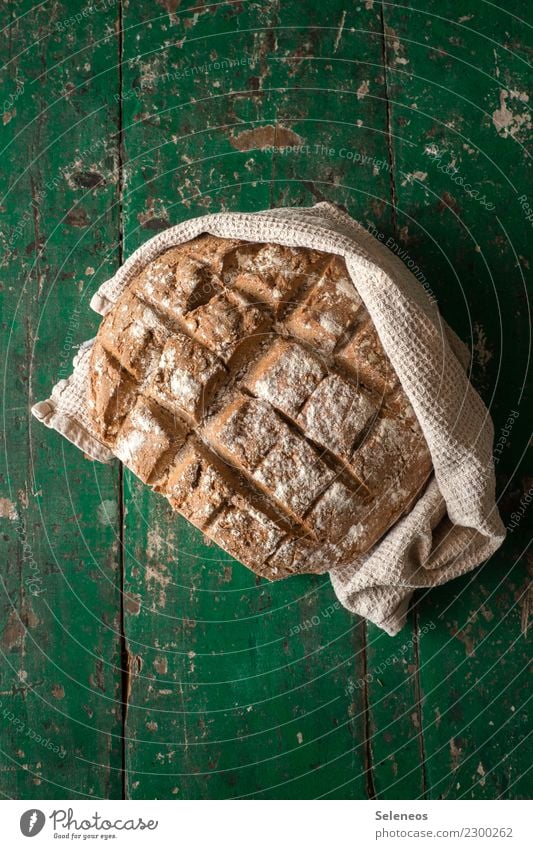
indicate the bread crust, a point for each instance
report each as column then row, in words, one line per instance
column 247, row 384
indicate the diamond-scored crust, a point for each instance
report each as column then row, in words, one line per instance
column 247, row 384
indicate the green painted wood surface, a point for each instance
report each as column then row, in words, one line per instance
column 60, row 680
column 135, row 117
column 473, row 665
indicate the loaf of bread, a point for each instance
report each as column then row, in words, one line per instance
column 247, row 384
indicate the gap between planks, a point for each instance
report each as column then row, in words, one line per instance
column 125, row 660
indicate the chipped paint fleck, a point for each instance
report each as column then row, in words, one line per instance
column 8, row 510
column 339, row 31
column 157, row 574
column 107, row 512
column 154, row 542
column 171, row 6
column 481, row 352
column 465, row 637
column 448, row 202
column 58, row 691
column 161, row 665
column 415, row 175
column 456, row 752
column 524, row 599
column 487, row 614
column 22, row 496
column 13, row 633
column 397, row 46
column 132, row 603
column 265, row 137
column 508, row 123
column 496, row 67
column 363, row 89
column 520, row 95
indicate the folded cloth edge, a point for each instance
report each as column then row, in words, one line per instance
column 379, row 585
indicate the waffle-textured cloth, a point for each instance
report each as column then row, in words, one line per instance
column 455, row 524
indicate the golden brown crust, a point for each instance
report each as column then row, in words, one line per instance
column 247, row 384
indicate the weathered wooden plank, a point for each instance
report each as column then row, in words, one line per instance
column 330, row 91
column 60, row 711
column 238, row 687
column 225, row 734
column 241, row 688
column 460, row 122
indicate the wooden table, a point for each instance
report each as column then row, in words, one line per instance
column 138, row 660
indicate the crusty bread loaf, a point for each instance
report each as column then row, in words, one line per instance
column 247, row 384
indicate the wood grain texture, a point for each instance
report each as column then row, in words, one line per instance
column 117, row 125
column 60, row 713
column 330, row 92
column 461, row 164
column 240, row 688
